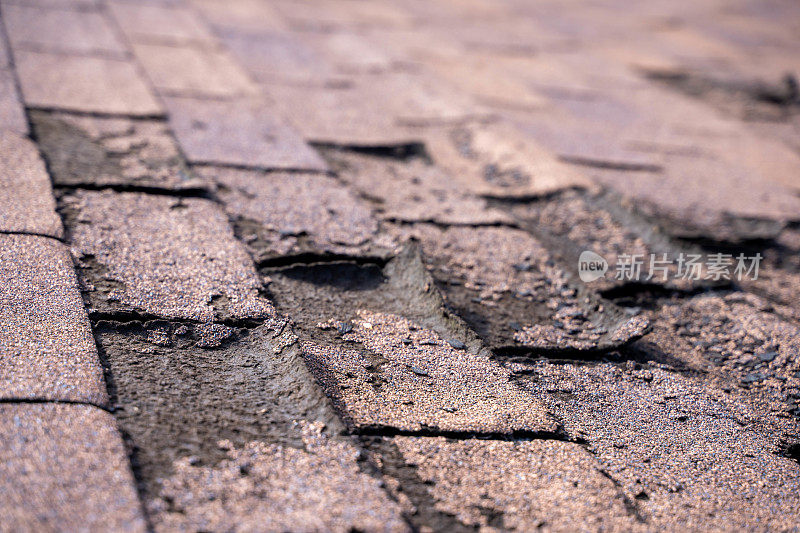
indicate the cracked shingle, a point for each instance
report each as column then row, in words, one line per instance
column 425, row 384
column 176, row 258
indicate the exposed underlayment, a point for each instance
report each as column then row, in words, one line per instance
column 330, row 255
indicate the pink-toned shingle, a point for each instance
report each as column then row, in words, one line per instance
column 47, row 351
column 85, row 84
column 243, row 132
column 26, row 199
column 64, row 468
column 61, row 30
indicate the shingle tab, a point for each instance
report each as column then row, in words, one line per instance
column 306, row 213
column 244, row 132
column 172, row 257
column 47, row 351
column 64, row 468
column 26, row 199
column 199, row 70
column 61, row 30
column 87, row 84
column 410, row 379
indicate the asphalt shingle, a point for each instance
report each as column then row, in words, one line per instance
column 47, row 351
column 171, row 257
column 308, row 213
column 61, row 30
column 87, row 84
column 26, row 199
column 198, row 70
column 96, row 152
column 63, row 467
column 410, row 379
column 244, row 132
column 319, row 487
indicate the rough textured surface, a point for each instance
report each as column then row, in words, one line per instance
column 63, row 467
column 409, row 379
column 88, row 84
column 690, row 455
column 517, row 485
column 170, row 257
column 96, row 152
column 506, row 285
column 26, row 199
column 413, row 190
column 498, row 160
column 318, row 487
column 307, row 213
column 46, row 346
column 411, row 186
column 244, row 133
column 170, row 385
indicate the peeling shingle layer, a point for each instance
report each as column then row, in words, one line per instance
column 165, row 256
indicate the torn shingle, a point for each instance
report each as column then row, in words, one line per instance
column 96, row 152
column 171, row 257
column 414, row 191
column 306, row 213
column 424, row 385
column 46, row 347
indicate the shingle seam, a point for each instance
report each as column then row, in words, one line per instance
column 55, row 401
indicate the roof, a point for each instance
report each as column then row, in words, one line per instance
column 347, row 265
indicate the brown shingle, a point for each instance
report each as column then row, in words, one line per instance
column 85, row 84
column 524, row 485
column 61, row 30
column 46, row 346
column 159, row 23
column 193, row 71
column 244, row 132
column 63, row 467
column 410, row 379
column 268, row 487
column 172, row 257
column 282, row 214
column 26, row 199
